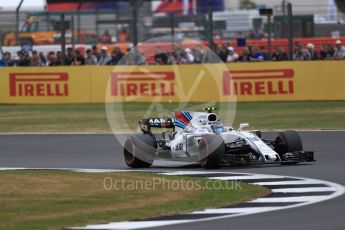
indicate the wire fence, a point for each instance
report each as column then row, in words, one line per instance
column 114, row 26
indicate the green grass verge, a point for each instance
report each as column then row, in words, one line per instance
column 92, row 117
column 41, row 199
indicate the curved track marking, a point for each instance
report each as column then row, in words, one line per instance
column 287, row 192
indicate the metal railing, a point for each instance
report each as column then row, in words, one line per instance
column 226, row 25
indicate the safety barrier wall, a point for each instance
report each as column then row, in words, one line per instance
column 278, row 81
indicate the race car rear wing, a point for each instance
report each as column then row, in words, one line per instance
column 147, row 123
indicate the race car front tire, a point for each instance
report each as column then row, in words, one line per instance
column 211, row 150
column 286, row 142
column 139, row 151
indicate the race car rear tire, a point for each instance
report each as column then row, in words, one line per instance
column 288, row 141
column 211, row 150
column 139, row 151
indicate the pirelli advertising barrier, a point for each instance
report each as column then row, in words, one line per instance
column 283, row 81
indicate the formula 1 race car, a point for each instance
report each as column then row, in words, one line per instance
column 201, row 137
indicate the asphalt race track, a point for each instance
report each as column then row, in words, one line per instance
column 104, row 152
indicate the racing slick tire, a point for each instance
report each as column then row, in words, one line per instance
column 139, row 151
column 211, row 150
column 288, row 141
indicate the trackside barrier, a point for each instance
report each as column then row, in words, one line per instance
column 278, row 81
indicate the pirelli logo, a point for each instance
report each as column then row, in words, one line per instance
column 143, row 84
column 258, row 82
column 38, row 84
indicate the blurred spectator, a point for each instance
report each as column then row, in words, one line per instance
column 179, row 55
column 42, row 59
column 69, row 60
column 35, row 59
column 123, row 36
column 2, row 63
column 190, row 57
column 171, row 58
column 116, row 56
column 161, row 58
column 90, row 58
column 141, row 59
column 105, row 57
column 232, row 55
column 113, row 60
column 326, row 52
column 24, row 58
column 256, row 34
column 177, row 48
column 59, row 56
column 96, row 53
column 52, row 59
column 198, row 54
column 222, row 52
column 182, row 58
column 133, row 57
column 300, row 53
column 176, row 54
column 7, row 59
column 228, row 44
column 312, row 54
column 2, row 60
column 105, row 38
column 280, row 55
column 339, row 51
column 259, row 54
column 78, row 58
column 247, row 55
column 263, row 52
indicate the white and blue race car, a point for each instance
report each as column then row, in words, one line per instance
column 201, row 137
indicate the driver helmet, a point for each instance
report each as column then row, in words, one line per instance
column 217, row 127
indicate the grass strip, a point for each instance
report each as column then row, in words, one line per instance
column 92, row 118
column 48, row 199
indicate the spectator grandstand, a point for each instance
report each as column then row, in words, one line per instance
column 181, row 54
column 238, row 33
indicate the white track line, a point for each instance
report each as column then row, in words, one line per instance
column 311, row 189
column 95, row 170
column 186, row 173
column 288, row 199
column 304, row 200
column 235, row 210
column 245, row 177
column 9, row 169
column 298, row 182
column 132, row 225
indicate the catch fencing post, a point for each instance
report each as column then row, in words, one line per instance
column 210, row 24
column 268, row 12
column 73, row 32
column 78, row 18
column 134, row 31
column 63, row 38
column 290, row 30
column 17, row 21
column 269, row 37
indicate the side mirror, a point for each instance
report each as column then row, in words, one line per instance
column 243, row 125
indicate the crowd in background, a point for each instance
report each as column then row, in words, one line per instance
column 221, row 53
column 74, row 57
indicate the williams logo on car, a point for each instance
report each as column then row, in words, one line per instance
column 143, row 84
column 258, row 82
column 38, row 84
